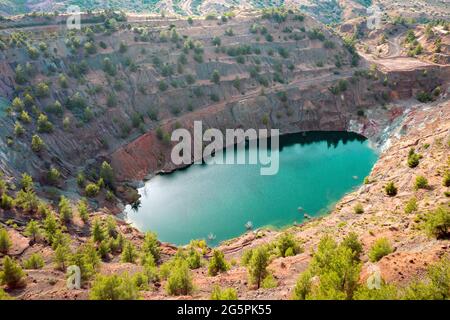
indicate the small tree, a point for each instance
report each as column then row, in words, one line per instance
column 6, row 202
column 34, row 262
column 26, row 182
column 12, row 274
column 98, row 234
column 53, row 176
column 179, row 281
column 411, row 205
column 33, row 230
column 358, row 208
column 61, row 257
column 215, row 77
column 437, row 222
column 217, row 263
column 37, row 144
column 379, row 249
column 65, row 210
column 390, row 189
column 352, row 242
column 92, row 190
column 421, row 183
column 258, row 266
column 413, row 158
column 107, row 173
column 5, row 242
column 287, row 245
column 446, row 180
column 50, row 227
column 43, row 124
column 114, row 287
column 82, row 208
column 129, row 253
column 223, row 294
column 151, row 245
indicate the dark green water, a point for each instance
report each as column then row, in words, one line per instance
column 315, row 171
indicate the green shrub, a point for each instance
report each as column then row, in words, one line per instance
column 4, row 295
column 129, row 253
column 336, row 270
column 109, row 67
column 34, row 262
column 179, row 281
column 223, row 294
column 215, row 77
column 151, row 245
column 390, row 189
column 61, row 256
column 114, row 287
column 411, row 205
column 82, row 208
column 446, row 180
column 269, row 282
column 92, row 190
column 421, row 183
column 87, row 259
column 37, row 144
column 33, row 230
column 358, row 208
column 65, row 210
column 352, row 242
column 42, row 90
column 379, row 249
column 5, row 241
column 384, row 292
column 53, row 176
column 257, row 266
column 437, row 222
column 12, row 274
column 97, row 231
column 413, row 158
column 217, row 263
column 194, row 258
column 18, row 129
column 6, row 202
column 287, row 246
column 107, row 173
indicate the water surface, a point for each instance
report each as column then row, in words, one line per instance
column 316, row 169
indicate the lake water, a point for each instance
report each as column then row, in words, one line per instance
column 316, row 169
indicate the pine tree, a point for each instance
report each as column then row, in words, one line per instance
column 33, row 230
column 129, row 253
column 217, row 263
column 114, row 287
column 151, row 245
column 107, row 173
column 179, row 281
column 12, row 274
column 5, row 242
column 97, row 231
column 83, row 210
column 258, row 265
column 65, row 211
column 34, row 262
column 61, row 257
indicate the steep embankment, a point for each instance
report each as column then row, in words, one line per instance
column 424, row 128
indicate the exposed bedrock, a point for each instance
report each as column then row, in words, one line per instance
column 308, row 107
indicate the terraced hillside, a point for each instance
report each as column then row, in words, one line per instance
column 327, row 11
column 86, row 114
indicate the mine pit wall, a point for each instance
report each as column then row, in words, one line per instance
column 313, row 108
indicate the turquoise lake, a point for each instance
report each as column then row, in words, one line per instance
column 316, row 169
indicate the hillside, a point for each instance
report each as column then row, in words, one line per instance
column 326, row 11
column 86, row 115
